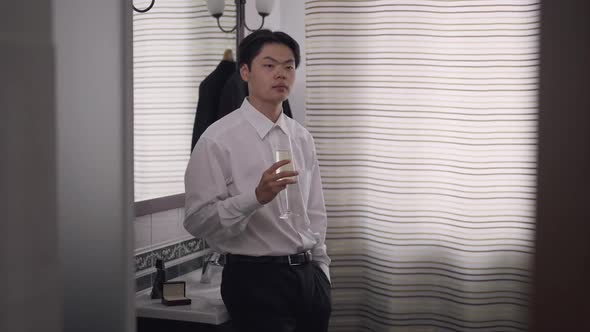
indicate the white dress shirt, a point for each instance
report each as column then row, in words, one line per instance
column 220, row 181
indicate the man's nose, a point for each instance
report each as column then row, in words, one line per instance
column 281, row 72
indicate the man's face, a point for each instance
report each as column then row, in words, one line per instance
column 271, row 75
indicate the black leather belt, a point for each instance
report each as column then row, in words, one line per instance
column 296, row 259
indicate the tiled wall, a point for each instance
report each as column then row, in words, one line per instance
column 159, row 228
column 162, row 235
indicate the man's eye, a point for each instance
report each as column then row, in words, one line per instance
column 290, row 68
column 268, row 65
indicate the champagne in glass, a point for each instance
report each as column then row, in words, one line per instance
column 284, row 153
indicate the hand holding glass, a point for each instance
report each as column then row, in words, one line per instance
column 284, row 154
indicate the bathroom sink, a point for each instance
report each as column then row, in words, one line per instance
column 206, row 303
column 197, row 290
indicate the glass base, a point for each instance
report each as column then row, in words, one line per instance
column 288, row 214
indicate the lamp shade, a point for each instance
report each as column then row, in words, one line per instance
column 264, row 7
column 215, row 7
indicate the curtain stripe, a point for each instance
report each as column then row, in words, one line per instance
column 424, row 115
column 176, row 45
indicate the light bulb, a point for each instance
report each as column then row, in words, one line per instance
column 216, row 7
column 264, row 7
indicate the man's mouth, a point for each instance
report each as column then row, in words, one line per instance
column 280, row 86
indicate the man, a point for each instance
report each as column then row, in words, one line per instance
column 276, row 276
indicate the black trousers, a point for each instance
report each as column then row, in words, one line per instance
column 274, row 297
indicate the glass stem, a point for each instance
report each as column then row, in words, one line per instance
column 286, row 206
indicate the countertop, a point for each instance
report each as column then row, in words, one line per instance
column 206, row 307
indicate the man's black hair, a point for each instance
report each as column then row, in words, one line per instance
column 251, row 46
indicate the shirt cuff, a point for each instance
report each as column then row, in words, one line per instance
column 247, row 202
column 233, row 216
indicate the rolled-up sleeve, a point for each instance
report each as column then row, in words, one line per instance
column 210, row 212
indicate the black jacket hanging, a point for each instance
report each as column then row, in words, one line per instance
column 210, row 91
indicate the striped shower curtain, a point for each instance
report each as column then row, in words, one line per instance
column 425, row 120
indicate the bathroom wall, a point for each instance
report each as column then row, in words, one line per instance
column 159, row 228
column 162, row 235
column 94, row 166
column 65, row 185
column 29, row 224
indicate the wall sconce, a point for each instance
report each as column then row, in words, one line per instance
column 216, row 7
column 263, row 7
column 143, row 10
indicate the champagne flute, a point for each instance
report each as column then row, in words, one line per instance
column 283, row 153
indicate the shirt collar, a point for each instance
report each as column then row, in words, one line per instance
column 260, row 122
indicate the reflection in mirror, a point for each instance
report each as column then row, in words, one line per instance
column 175, row 46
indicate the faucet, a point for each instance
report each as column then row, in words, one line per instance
column 213, row 263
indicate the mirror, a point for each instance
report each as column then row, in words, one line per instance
column 175, row 46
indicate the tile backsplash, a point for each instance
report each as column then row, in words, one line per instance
column 143, row 231
column 157, row 229
column 169, row 253
column 162, row 235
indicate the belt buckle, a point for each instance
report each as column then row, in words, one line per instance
column 306, row 255
column 291, row 263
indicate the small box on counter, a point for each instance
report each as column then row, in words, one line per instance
column 174, row 293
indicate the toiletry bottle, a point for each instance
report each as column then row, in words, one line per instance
column 159, row 281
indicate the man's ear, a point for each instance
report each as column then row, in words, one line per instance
column 244, row 72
